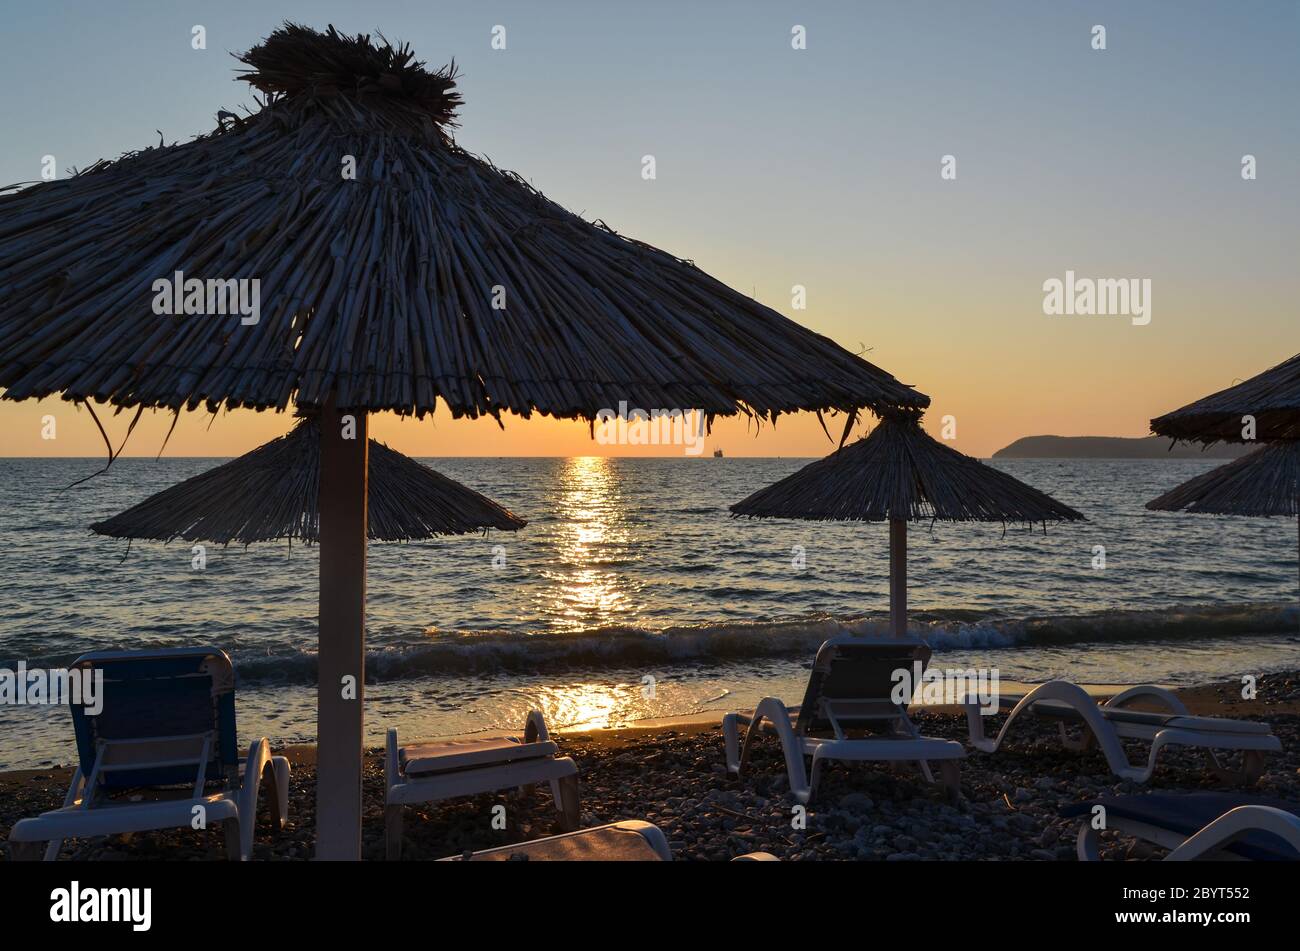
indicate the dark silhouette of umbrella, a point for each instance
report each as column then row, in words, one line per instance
column 1264, row 483
column 1271, row 397
column 898, row 473
column 273, row 491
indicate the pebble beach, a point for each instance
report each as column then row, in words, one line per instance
column 675, row 778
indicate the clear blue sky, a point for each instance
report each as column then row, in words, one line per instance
column 820, row 166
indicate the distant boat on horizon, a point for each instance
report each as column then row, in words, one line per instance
column 717, row 454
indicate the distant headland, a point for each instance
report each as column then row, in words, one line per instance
column 1114, row 447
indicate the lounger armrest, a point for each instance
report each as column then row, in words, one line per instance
column 1074, row 696
column 76, row 789
column 1166, row 698
column 259, row 758
column 535, row 728
column 731, row 724
column 770, row 709
column 1234, row 823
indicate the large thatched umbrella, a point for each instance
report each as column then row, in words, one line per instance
column 1272, row 397
column 395, row 271
column 1266, row 482
column 273, row 492
column 898, row 473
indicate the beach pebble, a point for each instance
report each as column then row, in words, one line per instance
column 862, row 812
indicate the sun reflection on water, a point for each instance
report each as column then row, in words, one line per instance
column 585, row 586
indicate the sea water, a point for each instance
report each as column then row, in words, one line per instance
column 633, row 593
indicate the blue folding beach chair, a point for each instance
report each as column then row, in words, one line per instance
column 163, row 728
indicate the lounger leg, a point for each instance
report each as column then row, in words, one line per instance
column 75, row 789
column 230, row 828
column 392, row 833
column 1252, row 767
column 950, row 773
column 1086, row 846
column 269, row 780
column 555, row 789
column 816, row 774
column 280, row 770
column 568, row 803
column 731, row 742
column 535, row 732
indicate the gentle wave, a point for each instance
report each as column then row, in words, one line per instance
column 626, row 646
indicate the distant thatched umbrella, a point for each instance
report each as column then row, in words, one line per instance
column 1261, row 483
column 1266, row 482
column 395, row 270
column 898, row 473
column 1271, row 397
column 272, row 492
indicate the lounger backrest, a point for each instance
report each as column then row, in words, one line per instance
column 171, row 692
column 855, row 676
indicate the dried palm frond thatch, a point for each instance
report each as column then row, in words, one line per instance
column 429, row 275
column 1272, row 397
column 272, row 492
column 899, row 471
column 1265, row 482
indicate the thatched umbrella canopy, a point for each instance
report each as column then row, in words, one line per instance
column 380, row 289
column 900, row 473
column 394, row 270
column 1264, row 483
column 273, row 492
column 1272, row 397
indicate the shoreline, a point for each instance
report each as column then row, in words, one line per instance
column 1211, row 699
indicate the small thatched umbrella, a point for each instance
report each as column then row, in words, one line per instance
column 898, row 473
column 1264, row 483
column 395, row 271
column 1272, row 397
column 273, row 492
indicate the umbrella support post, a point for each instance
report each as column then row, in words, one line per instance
column 898, row 577
column 342, row 634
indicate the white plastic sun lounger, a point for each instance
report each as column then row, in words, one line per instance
column 629, row 841
column 848, row 689
column 167, row 720
column 447, row 769
column 1201, row 825
column 1109, row 723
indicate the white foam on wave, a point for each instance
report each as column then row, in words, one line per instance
column 733, row 641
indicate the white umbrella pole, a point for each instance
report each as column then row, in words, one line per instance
column 898, row 576
column 342, row 634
